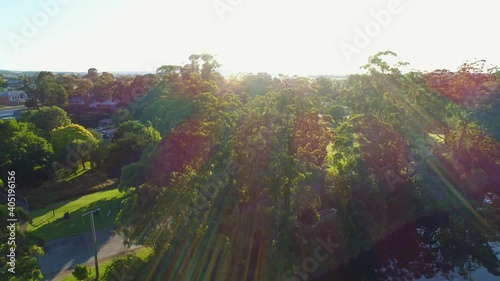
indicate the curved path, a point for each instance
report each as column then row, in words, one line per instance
column 61, row 255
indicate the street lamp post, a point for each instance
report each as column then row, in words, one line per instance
column 94, row 240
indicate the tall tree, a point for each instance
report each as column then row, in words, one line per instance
column 92, row 74
column 47, row 117
column 22, row 149
column 69, row 83
column 44, row 90
column 83, row 89
column 128, row 143
column 73, row 141
column 470, row 88
column 103, row 87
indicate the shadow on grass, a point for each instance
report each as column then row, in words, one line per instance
column 79, row 172
column 52, row 191
column 58, row 228
column 43, row 221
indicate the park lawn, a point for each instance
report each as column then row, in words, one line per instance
column 53, row 191
column 143, row 253
column 45, row 222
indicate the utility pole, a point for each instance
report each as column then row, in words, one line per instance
column 94, row 240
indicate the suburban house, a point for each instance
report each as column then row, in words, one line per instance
column 13, row 98
column 13, row 82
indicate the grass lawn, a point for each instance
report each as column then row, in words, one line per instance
column 142, row 253
column 46, row 224
column 53, row 191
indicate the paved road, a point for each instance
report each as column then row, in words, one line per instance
column 63, row 254
column 9, row 112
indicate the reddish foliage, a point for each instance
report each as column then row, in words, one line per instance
column 383, row 149
column 312, row 136
column 465, row 87
column 478, row 162
column 189, row 144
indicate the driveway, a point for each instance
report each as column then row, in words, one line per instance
column 63, row 254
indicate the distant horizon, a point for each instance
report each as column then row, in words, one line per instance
column 146, row 72
column 279, row 37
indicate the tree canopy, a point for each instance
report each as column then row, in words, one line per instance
column 22, row 149
column 239, row 178
column 47, row 117
column 247, row 165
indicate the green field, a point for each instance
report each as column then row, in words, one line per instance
column 47, row 222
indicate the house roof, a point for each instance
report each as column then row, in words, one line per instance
column 11, row 93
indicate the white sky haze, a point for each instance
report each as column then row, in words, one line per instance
column 274, row 36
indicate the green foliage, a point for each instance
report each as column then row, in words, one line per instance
column 27, row 247
column 325, row 88
column 208, row 122
column 129, row 141
column 83, row 88
column 92, row 74
column 241, row 168
column 127, row 266
column 69, row 83
column 133, row 174
column 255, row 85
column 131, row 129
column 166, row 113
column 97, row 135
column 44, row 90
column 103, row 87
column 47, row 118
column 73, row 145
column 72, row 135
column 22, row 149
column 149, row 207
column 81, row 272
column 337, row 112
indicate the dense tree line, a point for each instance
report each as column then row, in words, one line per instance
column 234, row 188
column 226, row 177
column 47, row 89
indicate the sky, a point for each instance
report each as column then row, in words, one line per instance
column 291, row 37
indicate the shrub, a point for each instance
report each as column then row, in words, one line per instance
column 124, row 267
column 81, row 272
